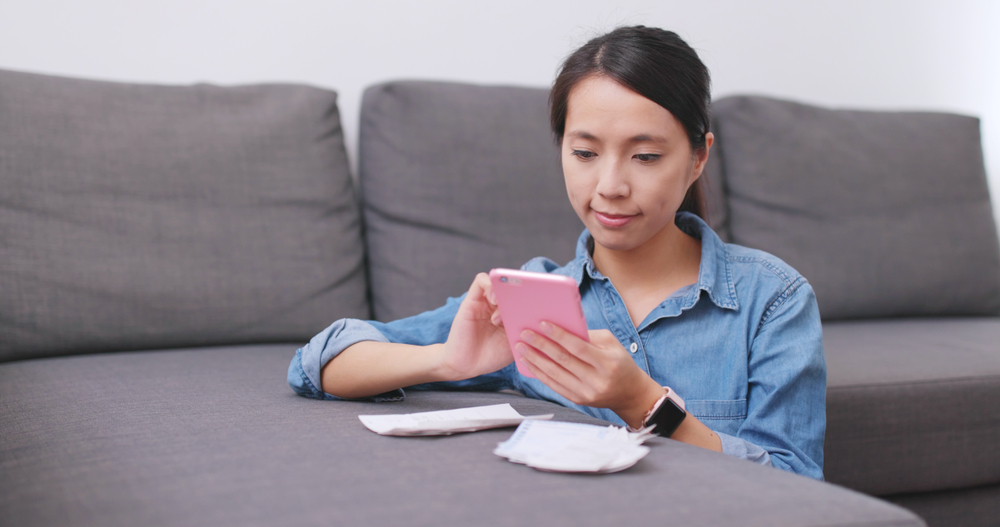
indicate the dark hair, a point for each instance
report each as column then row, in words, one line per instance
column 654, row 63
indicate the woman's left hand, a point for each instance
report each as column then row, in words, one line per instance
column 599, row 373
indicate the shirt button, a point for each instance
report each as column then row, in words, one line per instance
column 634, row 347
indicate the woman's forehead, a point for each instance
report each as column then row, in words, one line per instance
column 598, row 107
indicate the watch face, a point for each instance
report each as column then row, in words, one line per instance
column 667, row 418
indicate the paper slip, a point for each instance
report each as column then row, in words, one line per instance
column 573, row 447
column 446, row 422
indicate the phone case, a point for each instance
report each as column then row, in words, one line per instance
column 526, row 299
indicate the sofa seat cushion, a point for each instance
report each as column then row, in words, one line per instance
column 975, row 507
column 913, row 405
column 886, row 214
column 215, row 437
column 141, row 216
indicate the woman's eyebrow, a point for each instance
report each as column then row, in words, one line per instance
column 582, row 134
column 646, row 138
column 641, row 138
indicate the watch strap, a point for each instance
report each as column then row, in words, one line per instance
column 666, row 414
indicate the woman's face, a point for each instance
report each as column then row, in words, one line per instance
column 627, row 163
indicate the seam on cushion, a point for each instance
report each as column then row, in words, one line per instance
column 955, row 380
column 887, row 523
column 987, row 487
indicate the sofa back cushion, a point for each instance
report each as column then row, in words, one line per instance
column 885, row 213
column 456, row 179
column 138, row 216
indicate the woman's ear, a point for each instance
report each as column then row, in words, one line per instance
column 701, row 157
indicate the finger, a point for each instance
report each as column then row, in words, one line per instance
column 551, row 382
column 478, row 297
column 486, row 286
column 609, row 356
column 475, row 292
column 579, row 348
column 540, row 359
column 480, row 283
column 593, row 363
column 552, row 350
column 551, row 374
column 600, row 337
column 544, row 360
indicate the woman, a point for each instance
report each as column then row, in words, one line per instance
column 718, row 345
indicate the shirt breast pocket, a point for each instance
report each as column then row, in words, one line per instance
column 721, row 416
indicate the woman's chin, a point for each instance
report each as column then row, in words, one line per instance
column 614, row 241
column 627, row 239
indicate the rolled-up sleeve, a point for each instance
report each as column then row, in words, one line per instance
column 786, row 403
column 306, row 367
column 736, row 447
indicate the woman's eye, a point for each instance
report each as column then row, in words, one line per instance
column 647, row 158
column 584, row 154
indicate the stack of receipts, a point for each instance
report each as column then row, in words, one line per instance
column 446, row 422
column 573, row 447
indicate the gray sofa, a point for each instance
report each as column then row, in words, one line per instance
column 164, row 250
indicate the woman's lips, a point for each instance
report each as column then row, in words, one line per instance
column 613, row 220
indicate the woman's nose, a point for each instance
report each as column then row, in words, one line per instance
column 613, row 182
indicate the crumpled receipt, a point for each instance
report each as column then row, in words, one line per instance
column 556, row 446
column 446, row 422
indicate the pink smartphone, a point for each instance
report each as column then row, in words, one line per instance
column 526, row 299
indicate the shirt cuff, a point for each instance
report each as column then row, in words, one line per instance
column 736, row 447
column 305, row 369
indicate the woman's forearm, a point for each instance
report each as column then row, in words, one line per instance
column 370, row 368
column 691, row 430
column 694, row 432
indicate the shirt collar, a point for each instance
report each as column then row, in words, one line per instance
column 714, row 274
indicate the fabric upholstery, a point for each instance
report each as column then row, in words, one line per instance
column 885, row 213
column 216, row 437
column 975, row 507
column 913, row 405
column 139, row 216
column 458, row 179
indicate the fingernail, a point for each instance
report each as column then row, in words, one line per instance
column 546, row 327
column 519, row 350
column 527, row 336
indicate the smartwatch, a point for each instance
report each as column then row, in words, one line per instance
column 667, row 414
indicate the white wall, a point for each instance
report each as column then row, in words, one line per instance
column 900, row 54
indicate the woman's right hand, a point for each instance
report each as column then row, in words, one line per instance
column 477, row 343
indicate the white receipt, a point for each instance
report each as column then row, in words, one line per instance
column 573, row 447
column 446, row 422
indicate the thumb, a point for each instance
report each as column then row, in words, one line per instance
column 600, row 337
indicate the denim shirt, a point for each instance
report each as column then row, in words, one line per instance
column 743, row 347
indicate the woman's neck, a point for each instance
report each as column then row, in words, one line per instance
column 646, row 275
